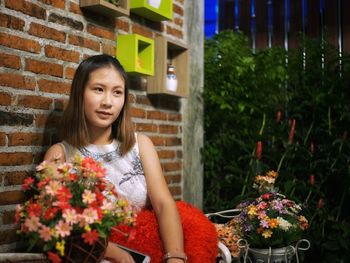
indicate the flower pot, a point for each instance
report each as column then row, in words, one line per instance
column 272, row 255
column 77, row 251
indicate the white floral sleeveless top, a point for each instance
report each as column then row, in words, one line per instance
column 125, row 172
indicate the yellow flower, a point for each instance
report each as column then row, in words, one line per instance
column 267, row 233
column 60, row 247
column 87, row 228
column 252, row 210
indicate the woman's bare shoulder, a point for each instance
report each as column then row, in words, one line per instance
column 55, row 152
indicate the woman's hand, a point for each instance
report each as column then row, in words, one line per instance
column 117, row 255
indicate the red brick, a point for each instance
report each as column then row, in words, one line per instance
column 8, row 217
column 42, row 67
column 84, row 42
column 54, row 86
column 108, row 49
column 173, row 179
column 25, row 138
column 166, row 154
column 5, row 99
column 146, row 127
column 8, row 236
column 138, row 113
column 179, row 21
column 19, row 43
column 156, row 115
column 13, row 178
column 158, row 141
column 174, row 117
column 55, row 3
column 26, row 7
column 11, row 197
column 143, row 100
column 69, row 72
column 169, row 167
column 15, row 158
column 11, row 22
column 10, row 61
column 175, row 190
column 173, row 141
column 46, row 32
column 17, row 81
column 75, row 8
column 2, row 139
column 174, row 32
column 36, row 102
column 168, row 129
column 62, row 54
column 122, row 25
column 101, row 32
column 178, row 10
column 141, row 30
column 52, row 121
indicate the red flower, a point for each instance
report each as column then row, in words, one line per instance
column 266, row 196
column 64, row 194
column 44, row 182
column 258, row 150
column 90, row 237
column 27, row 183
column 312, row 147
column 54, row 257
column 320, row 203
column 50, row 213
column 312, row 179
column 34, row 210
column 278, row 116
column 291, row 132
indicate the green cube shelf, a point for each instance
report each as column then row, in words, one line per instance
column 136, row 54
column 143, row 8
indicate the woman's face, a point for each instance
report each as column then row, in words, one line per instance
column 104, row 97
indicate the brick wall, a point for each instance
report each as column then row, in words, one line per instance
column 41, row 44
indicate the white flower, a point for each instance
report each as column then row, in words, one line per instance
column 284, row 224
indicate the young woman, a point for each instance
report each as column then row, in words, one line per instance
column 96, row 123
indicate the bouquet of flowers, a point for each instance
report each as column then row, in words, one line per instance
column 271, row 220
column 71, row 200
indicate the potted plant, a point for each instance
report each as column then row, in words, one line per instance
column 72, row 210
column 271, row 224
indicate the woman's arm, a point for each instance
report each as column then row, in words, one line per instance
column 161, row 200
column 55, row 152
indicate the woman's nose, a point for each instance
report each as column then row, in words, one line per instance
column 107, row 100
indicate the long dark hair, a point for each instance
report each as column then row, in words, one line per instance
column 74, row 126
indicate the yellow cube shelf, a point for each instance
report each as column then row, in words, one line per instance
column 177, row 54
column 163, row 10
column 136, row 54
column 105, row 8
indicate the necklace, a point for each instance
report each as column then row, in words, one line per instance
column 105, row 157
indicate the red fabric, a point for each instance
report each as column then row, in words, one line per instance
column 200, row 237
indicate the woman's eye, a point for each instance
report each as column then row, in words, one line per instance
column 98, row 89
column 118, row 92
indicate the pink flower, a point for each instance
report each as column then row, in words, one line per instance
column 90, row 215
column 41, row 166
column 45, row 233
column 88, row 197
column 70, row 216
column 32, row 223
column 52, row 188
column 63, row 229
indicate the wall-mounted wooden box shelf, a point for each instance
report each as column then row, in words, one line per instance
column 169, row 51
column 136, row 54
column 143, row 8
column 105, row 8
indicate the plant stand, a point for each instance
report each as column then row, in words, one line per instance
column 272, row 255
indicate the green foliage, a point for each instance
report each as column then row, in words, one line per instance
column 243, row 94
